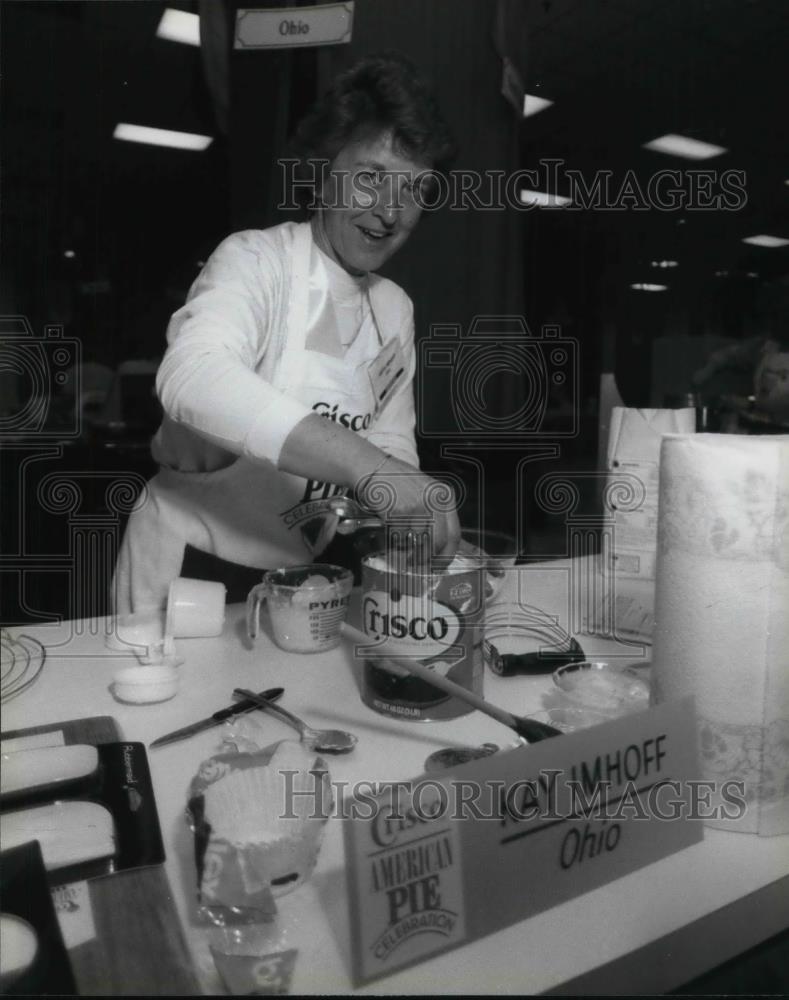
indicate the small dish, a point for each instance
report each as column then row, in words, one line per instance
column 570, row 675
column 145, row 685
column 609, row 689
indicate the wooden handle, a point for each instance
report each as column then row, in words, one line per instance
column 437, row 680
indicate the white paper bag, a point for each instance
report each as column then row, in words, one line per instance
column 634, row 451
column 631, row 498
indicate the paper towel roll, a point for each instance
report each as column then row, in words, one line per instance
column 722, row 611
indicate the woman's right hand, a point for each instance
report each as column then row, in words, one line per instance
column 405, row 498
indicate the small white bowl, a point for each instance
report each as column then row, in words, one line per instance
column 145, row 685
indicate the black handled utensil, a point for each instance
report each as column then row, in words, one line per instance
column 246, row 705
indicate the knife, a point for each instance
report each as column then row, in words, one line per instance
column 245, row 705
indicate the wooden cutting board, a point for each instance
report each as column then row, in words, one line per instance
column 139, row 946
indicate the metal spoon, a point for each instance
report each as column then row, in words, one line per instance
column 352, row 516
column 322, row 740
column 442, row 760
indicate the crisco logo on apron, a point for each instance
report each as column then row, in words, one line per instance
column 315, row 489
column 353, row 421
column 413, row 624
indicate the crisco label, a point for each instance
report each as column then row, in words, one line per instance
column 415, row 624
column 435, row 619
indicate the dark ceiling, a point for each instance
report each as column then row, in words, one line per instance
column 137, row 217
column 620, row 72
column 623, row 72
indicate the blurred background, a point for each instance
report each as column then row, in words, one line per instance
column 102, row 236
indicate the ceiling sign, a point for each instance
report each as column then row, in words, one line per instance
column 294, row 27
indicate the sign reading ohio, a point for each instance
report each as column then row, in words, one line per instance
column 445, row 859
column 289, row 27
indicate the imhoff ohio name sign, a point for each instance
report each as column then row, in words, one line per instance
column 448, row 858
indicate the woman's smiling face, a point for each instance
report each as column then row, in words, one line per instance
column 368, row 205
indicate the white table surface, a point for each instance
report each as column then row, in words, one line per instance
column 641, row 914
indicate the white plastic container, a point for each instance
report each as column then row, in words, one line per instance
column 144, row 685
column 195, row 608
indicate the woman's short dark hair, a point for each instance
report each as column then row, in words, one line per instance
column 380, row 93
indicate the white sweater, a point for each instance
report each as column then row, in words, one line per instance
column 215, row 381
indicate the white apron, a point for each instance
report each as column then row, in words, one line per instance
column 251, row 513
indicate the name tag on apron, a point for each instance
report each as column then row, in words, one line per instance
column 386, row 372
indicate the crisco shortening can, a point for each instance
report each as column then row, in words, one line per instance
column 434, row 617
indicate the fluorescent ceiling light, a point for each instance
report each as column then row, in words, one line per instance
column 766, row 241
column 645, row 286
column 532, row 104
column 69, row 254
column 721, row 274
column 665, row 263
column 543, row 198
column 179, row 26
column 682, row 145
column 161, row 137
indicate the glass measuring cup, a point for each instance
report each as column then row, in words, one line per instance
column 307, row 605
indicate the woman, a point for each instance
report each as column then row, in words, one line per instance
column 288, row 374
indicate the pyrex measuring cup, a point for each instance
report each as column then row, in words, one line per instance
column 307, row 605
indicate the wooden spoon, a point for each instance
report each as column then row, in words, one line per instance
column 530, row 729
